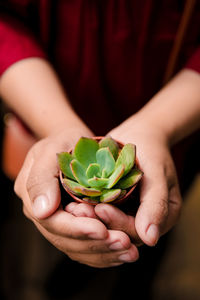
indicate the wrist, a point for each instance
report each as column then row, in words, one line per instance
column 69, row 123
column 151, row 123
column 175, row 109
column 32, row 89
column 140, row 124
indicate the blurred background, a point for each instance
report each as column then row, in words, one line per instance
column 30, row 268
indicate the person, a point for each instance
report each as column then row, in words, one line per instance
column 85, row 68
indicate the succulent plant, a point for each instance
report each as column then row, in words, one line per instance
column 99, row 171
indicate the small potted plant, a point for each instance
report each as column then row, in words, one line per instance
column 99, row 170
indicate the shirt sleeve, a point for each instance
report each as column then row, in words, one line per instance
column 16, row 42
column 194, row 61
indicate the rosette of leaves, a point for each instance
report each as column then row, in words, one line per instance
column 99, row 171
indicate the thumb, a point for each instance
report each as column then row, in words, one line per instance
column 43, row 187
column 153, row 210
column 45, row 198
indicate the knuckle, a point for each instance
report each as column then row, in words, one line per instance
column 163, row 206
column 35, row 185
column 162, row 210
column 176, row 205
column 32, row 182
column 95, row 247
column 92, row 247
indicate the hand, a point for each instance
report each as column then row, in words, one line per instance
column 160, row 200
column 85, row 240
column 111, row 216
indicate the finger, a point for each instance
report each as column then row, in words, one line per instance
column 43, row 187
column 153, row 210
column 81, row 210
column 115, row 241
column 103, row 260
column 115, row 219
column 70, row 207
column 65, row 224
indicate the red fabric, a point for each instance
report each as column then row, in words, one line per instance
column 111, row 55
column 16, row 43
column 194, row 61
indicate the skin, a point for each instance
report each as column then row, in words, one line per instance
column 100, row 236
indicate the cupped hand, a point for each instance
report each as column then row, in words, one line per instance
column 160, row 199
column 114, row 218
column 84, row 239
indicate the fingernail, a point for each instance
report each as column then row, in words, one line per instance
column 153, row 234
column 40, row 206
column 125, row 257
column 116, row 246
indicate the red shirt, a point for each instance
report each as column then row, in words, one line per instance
column 111, row 55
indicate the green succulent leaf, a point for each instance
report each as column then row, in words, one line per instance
column 78, row 189
column 92, row 200
column 111, row 144
column 99, row 172
column 71, row 185
column 115, row 177
column 79, row 172
column 106, row 161
column 88, row 191
column 126, row 157
column 64, row 160
column 98, row 182
column 109, row 195
column 130, row 179
column 122, row 194
column 93, row 170
column 85, row 151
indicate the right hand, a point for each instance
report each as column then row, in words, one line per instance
column 83, row 239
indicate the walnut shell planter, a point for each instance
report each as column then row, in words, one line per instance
column 99, row 170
